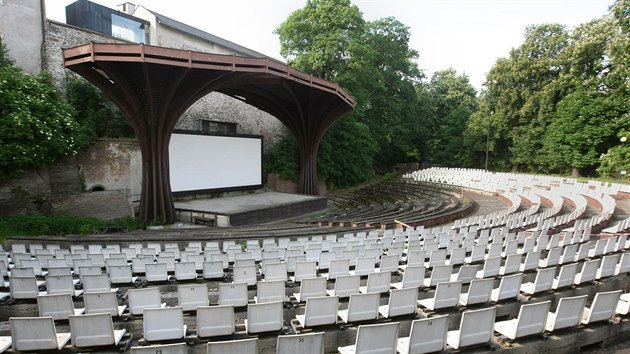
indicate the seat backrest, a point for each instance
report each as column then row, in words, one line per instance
column 142, row 298
column 239, row 346
column 569, row 312
column 508, row 287
column 588, row 272
column 364, row 265
column 312, row 287
column 479, row 291
column 531, row 260
column 163, row 323
column 264, row 317
column 192, row 295
column 301, row 343
column 466, row 273
column 512, row 263
column 379, row 282
column 213, row 269
column 96, row 282
column 428, row 335
column 92, row 330
column 363, row 307
column 245, row 274
column 566, row 275
column 544, row 279
column 413, row 276
column 305, row 269
column 234, row 294
column 97, row 302
column 441, row 274
column 476, row 326
column 33, row 333
column 532, row 318
column 120, row 274
column 338, row 267
column 437, row 257
column 59, row 306
column 215, row 321
column 270, row 291
column 447, row 294
column 321, row 310
column 603, row 306
column 377, row 338
column 402, row 301
column 23, row 287
column 607, row 267
column 276, row 271
column 59, row 284
column 491, row 267
column 347, row 284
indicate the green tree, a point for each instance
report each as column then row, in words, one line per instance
column 38, row 126
column 95, row 112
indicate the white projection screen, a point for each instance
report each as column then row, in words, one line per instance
column 211, row 162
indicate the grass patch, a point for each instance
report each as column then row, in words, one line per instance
column 37, row 225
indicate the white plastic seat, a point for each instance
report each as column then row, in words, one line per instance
column 375, row 338
column 142, row 298
column 509, row 287
column 121, row 274
column 215, row 321
column 465, row 273
column 264, row 317
column 104, row 302
column 319, row 311
column 5, row 343
column 623, row 305
column 305, row 269
column 59, row 306
column 475, row 327
column 413, row 276
column 479, row 292
column 156, row 272
column 457, row 257
column 35, row 334
column 401, row 302
column 138, row 264
column 361, row 307
column 566, row 276
column 160, row 324
column 94, row 330
column 239, row 346
column 270, row 291
column 23, row 287
column 587, row 273
column 439, row 274
column 185, row 271
column 568, row 313
column 245, row 274
column 191, row 296
column 437, row 257
column 607, row 266
column 61, row 284
column 490, row 268
column 300, row 343
column 338, row 267
column 427, row 335
column 97, row 283
column 276, row 271
column 377, row 283
column 364, row 266
column 213, row 270
column 602, row 308
column 531, row 319
column 531, row 261
column 512, row 264
column 624, row 264
column 345, row 285
column 311, row 287
column 446, row 295
column 234, row 294
column 552, row 259
column 543, row 281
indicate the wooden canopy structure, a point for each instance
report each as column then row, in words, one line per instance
column 153, row 87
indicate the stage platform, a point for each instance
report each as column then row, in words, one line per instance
column 248, row 209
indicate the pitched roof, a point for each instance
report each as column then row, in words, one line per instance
column 167, row 21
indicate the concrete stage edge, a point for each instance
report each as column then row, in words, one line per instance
column 248, row 209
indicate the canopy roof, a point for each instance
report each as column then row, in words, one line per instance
column 153, row 87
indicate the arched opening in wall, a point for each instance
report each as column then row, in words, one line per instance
column 97, row 188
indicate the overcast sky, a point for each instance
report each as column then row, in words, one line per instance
column 468, row 35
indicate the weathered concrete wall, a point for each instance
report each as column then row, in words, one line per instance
column 21, row 28
column 105, row 205
column 25, row 194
